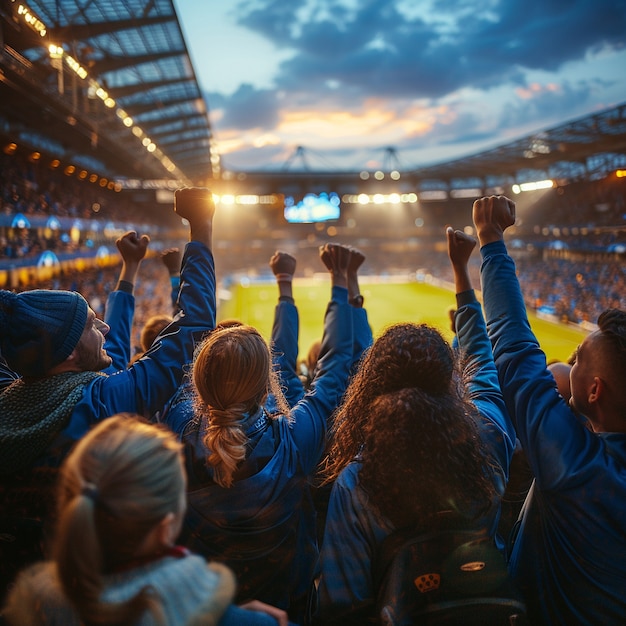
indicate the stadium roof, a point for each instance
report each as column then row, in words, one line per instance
column 584, row 148
column 588, row 148
column 122, row 60
column 128, row 102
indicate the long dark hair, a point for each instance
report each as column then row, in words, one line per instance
column 406, row 417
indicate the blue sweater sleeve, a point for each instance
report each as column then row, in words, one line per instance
column 497, row 429
column 555, row 442
column 310, row 415
column 119, row 314
column 363, row 337
column 284, row 342
column 148, row 384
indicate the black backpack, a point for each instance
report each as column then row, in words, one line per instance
column 448, row 576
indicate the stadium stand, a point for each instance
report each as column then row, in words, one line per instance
column 74, row 176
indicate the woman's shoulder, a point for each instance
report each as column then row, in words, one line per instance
column 187, row 586
column 40, row 577
column 177, row 568
column 36, row 597
column 349, row 475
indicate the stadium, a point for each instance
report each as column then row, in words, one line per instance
column 102, row 120
column 123, row 123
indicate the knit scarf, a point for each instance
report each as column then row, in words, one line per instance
column 33, row 413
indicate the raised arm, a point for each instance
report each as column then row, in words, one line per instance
column 492, row 216
column 354, row 290
column 363, row 337
column 120, row 306
column 460, row 248
column 147, row 385
column 286, row 328
column 133, row 249
column 283, row 266
column 543, row 421
column 497, row 429
column 171, row 258
column 333, row 368
column 337, row 259
column 195, row 204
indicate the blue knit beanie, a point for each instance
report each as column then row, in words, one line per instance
column 40, row 328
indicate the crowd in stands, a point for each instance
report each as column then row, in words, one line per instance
column 569, row 244
column 128, row 465
column 33, row 192
column 574, row 294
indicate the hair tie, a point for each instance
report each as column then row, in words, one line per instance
column 90, row 491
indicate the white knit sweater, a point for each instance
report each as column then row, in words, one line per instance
column 191, row 592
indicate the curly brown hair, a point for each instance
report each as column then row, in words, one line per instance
column 408, row 419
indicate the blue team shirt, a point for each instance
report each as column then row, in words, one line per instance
column 354, row 530
column 569, row 558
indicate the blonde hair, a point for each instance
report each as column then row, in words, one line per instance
column 117, row 484
column 232, row 376
column 313, row 356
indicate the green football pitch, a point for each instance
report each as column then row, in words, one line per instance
column 386, row 303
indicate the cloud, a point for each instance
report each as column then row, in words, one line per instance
column 539, row 102
column 253, row 158
column 247, row 108
column 546, row 35
column 428, row 77
column 377, row 47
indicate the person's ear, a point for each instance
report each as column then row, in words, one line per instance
column 72, row 356
column 167, row 531
column 595, row 390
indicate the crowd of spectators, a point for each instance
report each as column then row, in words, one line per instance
column 41, row 207
column 573, row 292
column 569, row 242
column 212, row 437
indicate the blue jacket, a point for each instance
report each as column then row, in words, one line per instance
column 284, row 343
column 354, row 530
column 263, row 526
column 569, row 558
column 179, row 410
column 147, row 384
column 285, row 346
column 27, row 493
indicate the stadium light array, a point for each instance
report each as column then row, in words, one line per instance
column 32, row 20
column 540, row 184
column 58, row 55
column 433, row 194
column 247, row 199
column 379, row 198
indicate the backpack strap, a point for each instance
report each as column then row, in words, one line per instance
column 512, row 538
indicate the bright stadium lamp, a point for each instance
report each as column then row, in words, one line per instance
column 540, row 184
